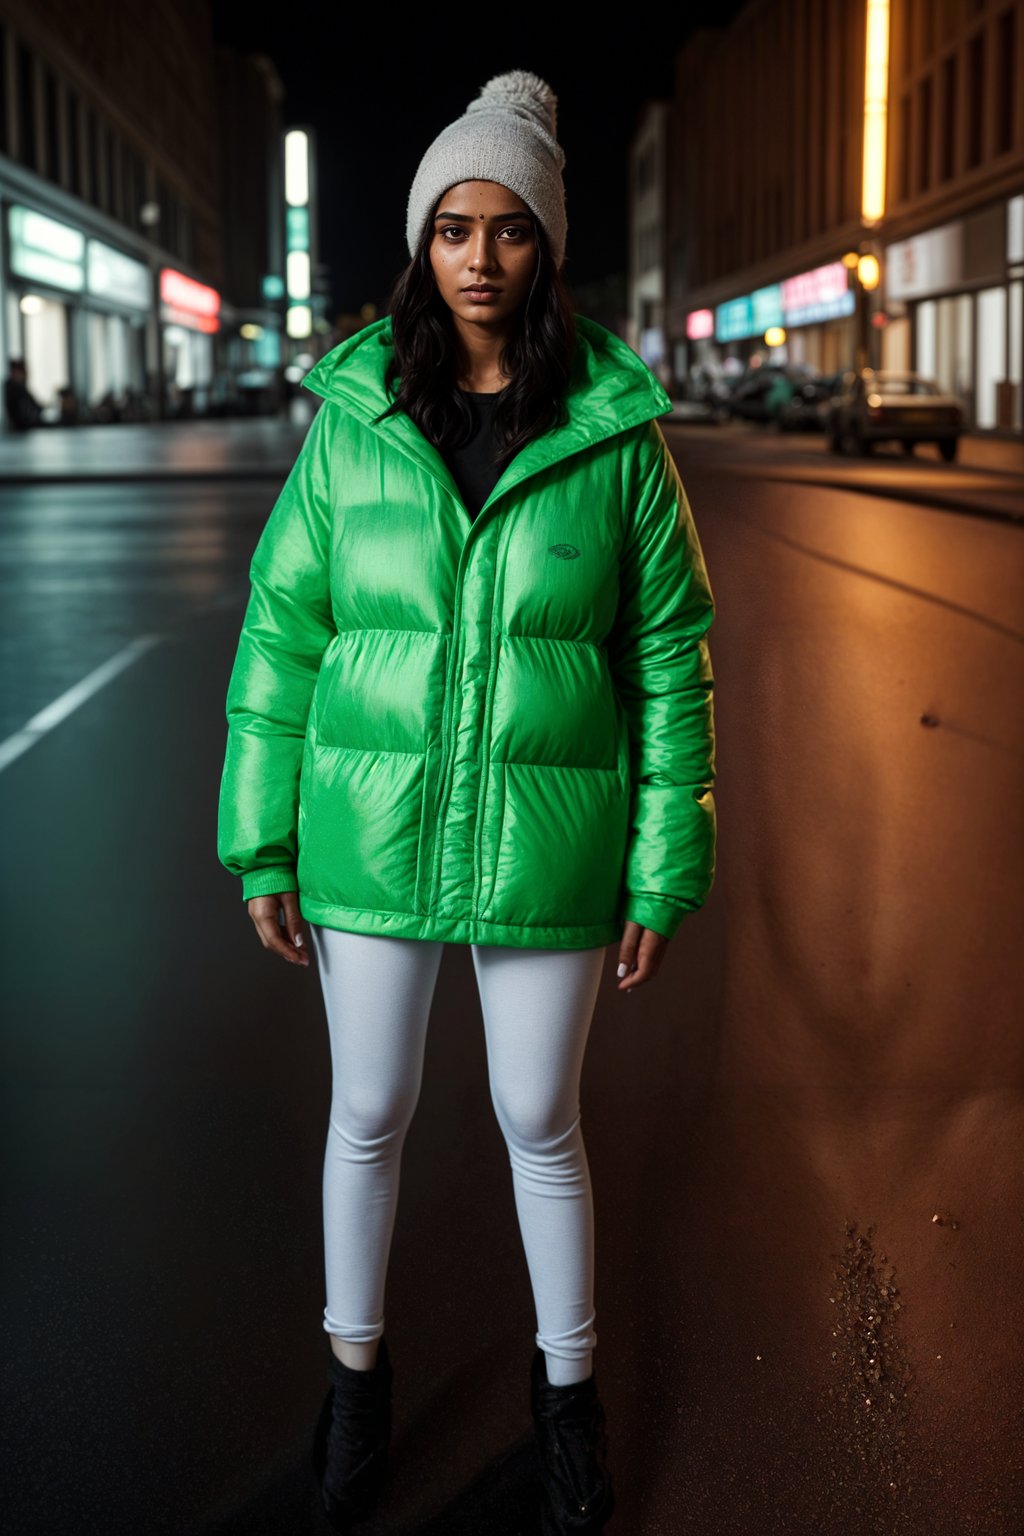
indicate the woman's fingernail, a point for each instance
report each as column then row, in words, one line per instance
column 623, row 969
column 298, row 939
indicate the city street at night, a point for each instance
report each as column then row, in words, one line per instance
column 512, row 770
column 807, row 1280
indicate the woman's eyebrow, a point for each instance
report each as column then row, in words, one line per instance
column 471, row 216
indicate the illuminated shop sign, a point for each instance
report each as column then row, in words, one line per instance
column 298, row 259
column 113, row 275
column 734, row 319
column 185, row 302
column 45, row 250
column 824, row 293
column 749, row 316
column 700, row 323
column 296, row 229
column 766, row 304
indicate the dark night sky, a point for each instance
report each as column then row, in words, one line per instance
column 376, row 88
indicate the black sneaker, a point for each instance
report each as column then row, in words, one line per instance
column 352, row 1439
column 577, row 1493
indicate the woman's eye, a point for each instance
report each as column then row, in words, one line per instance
column 516, row 229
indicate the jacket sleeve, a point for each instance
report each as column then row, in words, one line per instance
column 658, row 653
column 287, row 626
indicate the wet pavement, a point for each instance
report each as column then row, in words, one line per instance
column 804, row 1136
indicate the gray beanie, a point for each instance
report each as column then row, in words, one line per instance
column 508, row 135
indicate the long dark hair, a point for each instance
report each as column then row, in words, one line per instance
column 538, row 356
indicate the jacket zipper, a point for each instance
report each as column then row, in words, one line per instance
column 447, row 773
column 443, row 776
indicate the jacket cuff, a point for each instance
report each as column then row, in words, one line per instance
column 268, row 882
column 662, row 916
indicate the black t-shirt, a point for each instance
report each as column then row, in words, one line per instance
column 474, row 466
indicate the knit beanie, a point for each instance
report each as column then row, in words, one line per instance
column 507, row 134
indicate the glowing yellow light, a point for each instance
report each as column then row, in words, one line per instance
column 850, row 259
column 774, row 336
column 874, row 400
column 868, row 271
column 876, row 101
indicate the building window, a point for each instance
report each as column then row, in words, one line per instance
column 5, row 144
column 905, row 127
column 91, row 163
column 926, row 14
column 645, row 168
column 975, row 97
column 952, row 15
column 166, row 229
column 26, row 107
column 947, row 164
column 134, row 189
column 51, row 118
column 100, row 185
column 113, row 179
column 74, row 145
column 1005, row 55
column 924, row 145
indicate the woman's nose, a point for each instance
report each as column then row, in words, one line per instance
column 481, row 252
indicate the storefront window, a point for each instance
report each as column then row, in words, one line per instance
column 991, row 353
column 44, row 324
column 924, row 360
column 1016, row 343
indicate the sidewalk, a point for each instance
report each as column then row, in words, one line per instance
column 988, row 477
column 986, row 480
column 254, row 447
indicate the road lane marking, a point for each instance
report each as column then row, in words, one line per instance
column 52, row 714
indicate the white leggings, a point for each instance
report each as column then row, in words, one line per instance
column 537, row 1007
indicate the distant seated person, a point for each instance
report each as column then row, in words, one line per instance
column 70, row 415
column 23, row 409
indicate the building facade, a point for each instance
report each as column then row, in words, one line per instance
column 648, row 235
column 140, row 212
column 845, row 184
column 954, row 246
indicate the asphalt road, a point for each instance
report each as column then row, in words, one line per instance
column 804, row 1137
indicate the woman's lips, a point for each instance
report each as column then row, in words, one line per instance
column 485, row 297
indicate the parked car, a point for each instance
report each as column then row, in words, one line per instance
column 882, row 405
column 762, row 392
column 807, row 407
column 706, row 392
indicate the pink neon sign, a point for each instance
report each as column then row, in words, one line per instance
column 185, row 294
column 819, row 286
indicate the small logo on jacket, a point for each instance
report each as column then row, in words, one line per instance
column 563, row 551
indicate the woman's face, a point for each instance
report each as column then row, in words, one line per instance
column 483, row 234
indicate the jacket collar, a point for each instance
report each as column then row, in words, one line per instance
column 611, row 389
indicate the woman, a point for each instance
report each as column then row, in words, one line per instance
column 472, row 702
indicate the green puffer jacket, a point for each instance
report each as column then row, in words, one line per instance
column 491, row 731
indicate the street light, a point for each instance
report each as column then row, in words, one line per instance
column 866, row 272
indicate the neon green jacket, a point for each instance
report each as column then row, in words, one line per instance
column 493, row 731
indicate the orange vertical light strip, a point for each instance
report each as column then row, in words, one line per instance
column 876, row 105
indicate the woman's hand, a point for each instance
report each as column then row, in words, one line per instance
column 290, row 941
column 640, row 955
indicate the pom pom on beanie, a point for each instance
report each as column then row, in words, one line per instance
column 507, row 134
